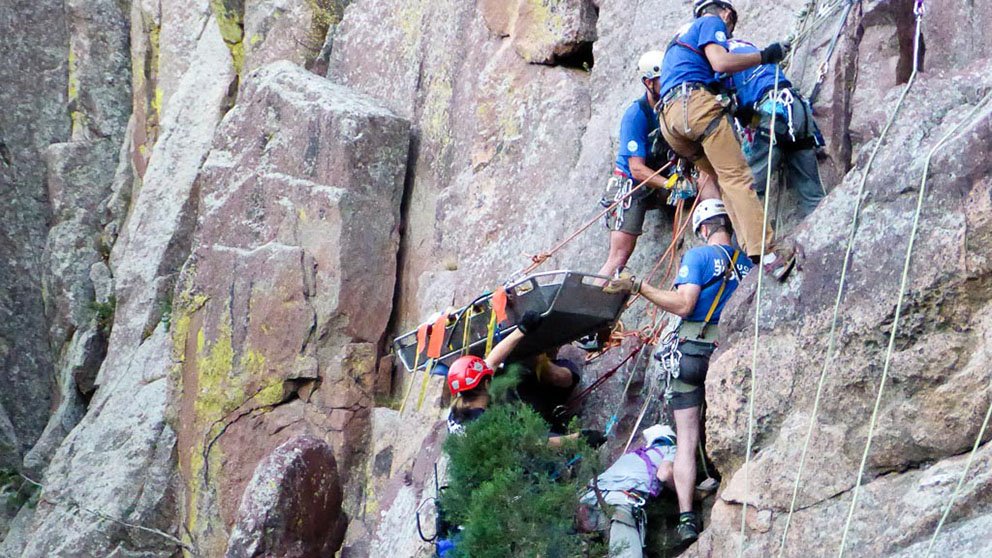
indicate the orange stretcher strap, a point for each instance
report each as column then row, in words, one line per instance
column 499, row 304
column 436, row 343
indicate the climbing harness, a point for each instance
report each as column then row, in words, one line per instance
column 757, row 323
column 842, row 282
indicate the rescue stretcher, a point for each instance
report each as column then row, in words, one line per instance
column 572, row 304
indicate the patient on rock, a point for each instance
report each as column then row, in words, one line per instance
column 616, row 497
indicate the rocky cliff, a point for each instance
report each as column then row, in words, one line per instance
column 219, row 211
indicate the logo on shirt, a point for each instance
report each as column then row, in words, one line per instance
column 721, row 36
column 631, row 145
column 684, row 271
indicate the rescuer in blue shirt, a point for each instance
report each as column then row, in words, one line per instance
column 695, row 121
column 636, row 161
column 707, row 278
column 796, row 134
column 642, row 151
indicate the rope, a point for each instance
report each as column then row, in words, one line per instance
column 100, row 515
column 842, row 283
column 957, row 489
column 773, row 139
column 895, row 322
column 824, row 66
column 985, row 423
column 601, row 380
column 542, row 257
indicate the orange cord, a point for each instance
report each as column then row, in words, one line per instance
column 541, row 257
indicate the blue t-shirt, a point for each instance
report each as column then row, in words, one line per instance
column 683, row 64
column 753, row 83
column 704, row 266
column 638, row 122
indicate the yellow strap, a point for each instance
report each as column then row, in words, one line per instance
column 423, row 386
column 409, row 387
column 467, row 330
column 719, row 294
column 491, row 332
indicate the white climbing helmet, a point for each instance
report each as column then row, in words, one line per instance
column 650, row 64
column 699, row 5
column 655, row 433
column 707, row 209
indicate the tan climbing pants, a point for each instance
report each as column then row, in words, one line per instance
column 720, row 155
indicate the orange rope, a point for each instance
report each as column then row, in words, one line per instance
column 540, row 258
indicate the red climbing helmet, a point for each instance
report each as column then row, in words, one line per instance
column 467, row 373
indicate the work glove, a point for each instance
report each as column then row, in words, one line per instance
column 594, row 438
column 774, row 53
column 625, row 283
column 530, row 322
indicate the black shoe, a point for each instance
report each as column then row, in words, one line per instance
column 688, row 528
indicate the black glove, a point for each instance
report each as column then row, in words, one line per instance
column 774, row 53
column 594, row 438
column 529, row 323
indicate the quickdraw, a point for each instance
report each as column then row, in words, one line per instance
column 618, row 196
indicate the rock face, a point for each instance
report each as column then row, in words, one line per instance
column 292, row 505
column 288, row 289
column 125, row 427
column 33, row 37
column 194, row 297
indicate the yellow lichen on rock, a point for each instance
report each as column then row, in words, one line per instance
column 230, row 21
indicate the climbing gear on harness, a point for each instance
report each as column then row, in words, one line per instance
column 707, row 209
column 466, row 373
column 650, row 64
column 617, row 196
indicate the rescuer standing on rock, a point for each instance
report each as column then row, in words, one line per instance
column 696, row 121
column 796, row 134
column 642, row 152
column 636, row 162
column 707, row 278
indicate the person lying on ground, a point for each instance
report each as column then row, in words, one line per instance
column 616, row 497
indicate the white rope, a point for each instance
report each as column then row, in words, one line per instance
column 832, row 337
column 892, row 335
column 988, row 413
column 772, row 140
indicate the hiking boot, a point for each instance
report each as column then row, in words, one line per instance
column 688, row 528
column 780, row 261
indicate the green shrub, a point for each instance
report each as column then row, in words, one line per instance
column 511, row 493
